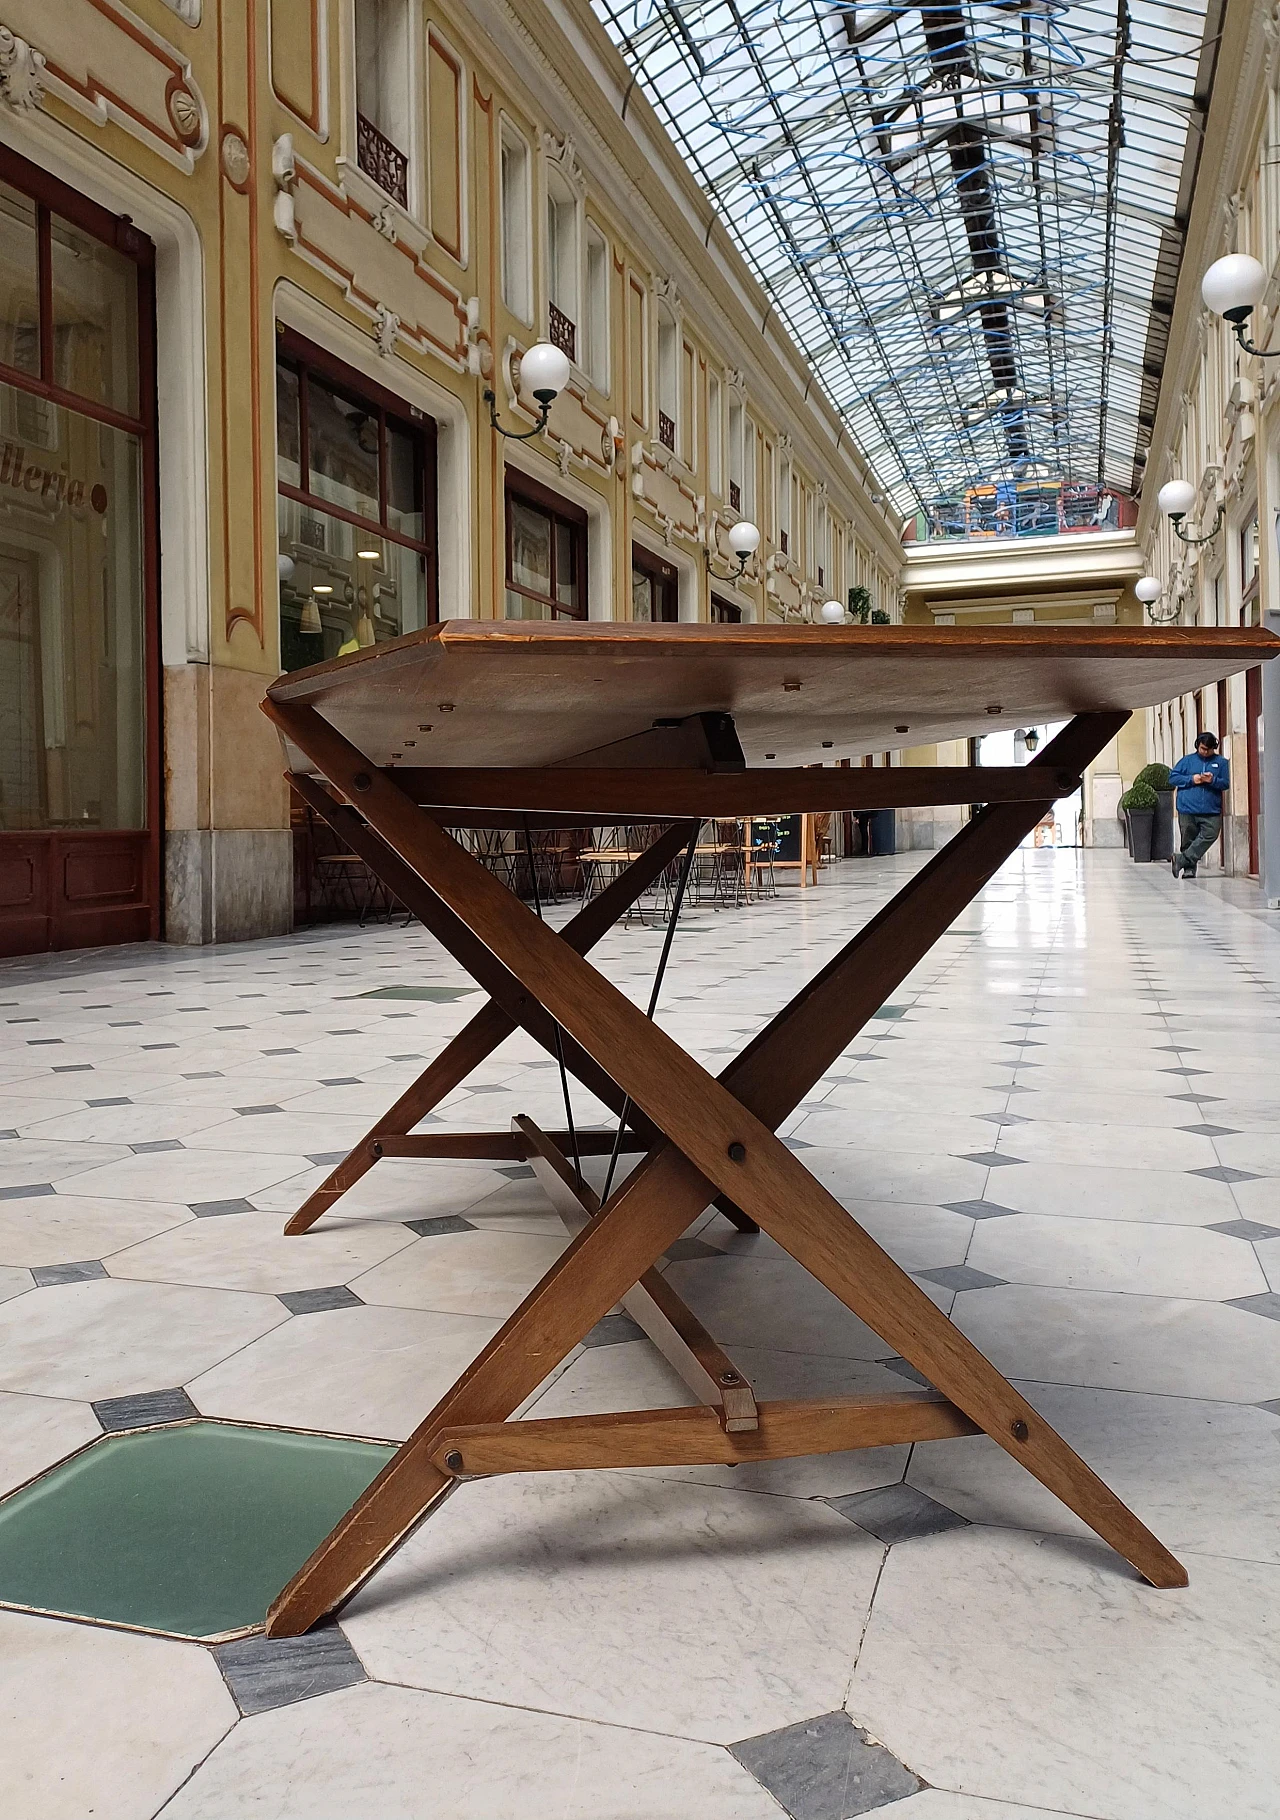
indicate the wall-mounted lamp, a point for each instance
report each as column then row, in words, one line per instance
column 1030, row 738
column 1231, row 288
column 1148, row 588
column 545, row 370
column 744, row 541
column 831, row 613
column 1175, row 500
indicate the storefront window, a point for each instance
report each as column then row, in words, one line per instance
column 546, row 557
column 72, row 700
column 95, row 318
column 356, row 511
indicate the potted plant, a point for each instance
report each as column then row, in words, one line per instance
column 1139, row 805
column 860, row 605
column 1162, row 831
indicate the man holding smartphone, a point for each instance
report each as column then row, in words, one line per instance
column 1201, row 780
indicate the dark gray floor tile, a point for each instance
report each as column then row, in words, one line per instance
column 206, row 1074
column 515, row 1172
column 1197, row 1099
column 326, row 1159
column 209, row 1210
column 266, row 1672
column 1004, row 1118
column 154, row 1144
column 897, row 1513
column 25, row 1188
column 826, row 1769
column 799, row 1143
column 342, row 1080
column 1246, row 1229
column 46, row 1275
column 961, row 1276
column 118, row 1099
column 144, row 1410
column 901, row 1369
column 486, row 1089
column 991, row 1158
column 980, row 1210
column 1222, row 1172
column 317, row 1301
column 1272, row 1408
column 685, row 1249
column 249, row 1112
column 1268, row 1304
column 613, row 1330
column 446, row 1222
column 1211, row 1130
column 1187, row 1071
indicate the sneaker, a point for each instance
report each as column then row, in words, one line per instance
column 1176, row 863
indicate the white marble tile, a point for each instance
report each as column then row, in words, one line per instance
column 362, row 1371
column 122, row 1125
column 774, row 1304
column 1107, row 1146
column 106, row 1339
column 1071, row 1189
column 24, row 1160
column 101, row 1723
column 1110, row 1341
column 1003, row 1666
column 1205, row 1477
column 189, row 1176
column 897, row 1175
column 281, row 1134
column 1144, row 1258
column 740, row 1612
column 400, row 1754
column 37, row 1431
column 485, row 1273
column 70, row 1228
column 13, row 1282
column 250, row 1251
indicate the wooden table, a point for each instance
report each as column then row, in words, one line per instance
column 529, row 724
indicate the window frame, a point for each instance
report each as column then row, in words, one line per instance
column 510, row 138
column 306, row 357
column 530, row 493
column 663, row 575
column 595, row 309
column 562, row 199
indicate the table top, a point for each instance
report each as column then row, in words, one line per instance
column 516, row 692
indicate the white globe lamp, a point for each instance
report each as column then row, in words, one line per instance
column 545, row 370
column 1147, row 588
column 1176, row 498
column 744, row 539
column 831, row 613
column 1233, row 286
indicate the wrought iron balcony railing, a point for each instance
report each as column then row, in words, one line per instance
column 384, row 162
column 667, row 431
column 561, row 332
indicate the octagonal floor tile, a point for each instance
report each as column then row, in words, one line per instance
column 108, row 1339
column 378, row 1750
column 64, row 1228
column 250, row 1251
column 740, row 1613
column 998, row 1666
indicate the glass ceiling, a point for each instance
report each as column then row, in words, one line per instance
column 967, row 215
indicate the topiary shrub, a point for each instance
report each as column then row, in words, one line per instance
column 1157, row 776
column 1138, row 796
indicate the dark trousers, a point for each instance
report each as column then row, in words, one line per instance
column 1199, row 832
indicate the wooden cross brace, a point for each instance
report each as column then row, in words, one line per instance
column 707, row 1137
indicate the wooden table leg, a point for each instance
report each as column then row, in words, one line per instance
column 732, row 1149
column 495, row 1021
column 662, row 1316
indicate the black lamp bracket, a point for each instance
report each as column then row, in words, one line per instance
column 1176, row 518
column 1247, row 345
column 544, row 411
column 733, row 574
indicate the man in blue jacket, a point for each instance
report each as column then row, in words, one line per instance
column 1201, row 780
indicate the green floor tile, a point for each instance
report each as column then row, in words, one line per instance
column 191, row 1530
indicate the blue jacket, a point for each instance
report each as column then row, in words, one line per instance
column 1200, row 799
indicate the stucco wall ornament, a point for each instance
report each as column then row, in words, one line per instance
column 385, row 222
column 185, row 113
column 21, row 72
column 235, row 158
column 284, row 174
column 562, row 156
column 387, row 329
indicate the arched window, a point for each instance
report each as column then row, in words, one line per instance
column 383, row 124
column 517, row 262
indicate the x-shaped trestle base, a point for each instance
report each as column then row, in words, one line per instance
column 705, row 1137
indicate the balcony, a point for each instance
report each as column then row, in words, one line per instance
column 382, row 161
column 667, row 431
column 735, row 496
column 561, row 332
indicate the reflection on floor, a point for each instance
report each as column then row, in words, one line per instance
column 1065, row 1125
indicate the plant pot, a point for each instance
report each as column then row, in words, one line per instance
column 1162, row 833
column 1141, row 826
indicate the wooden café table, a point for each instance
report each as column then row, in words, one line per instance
column 519, row 724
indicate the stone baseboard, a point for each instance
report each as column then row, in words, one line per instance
column 227, row 884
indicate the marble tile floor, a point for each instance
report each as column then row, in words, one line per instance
column 1064, row 1124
